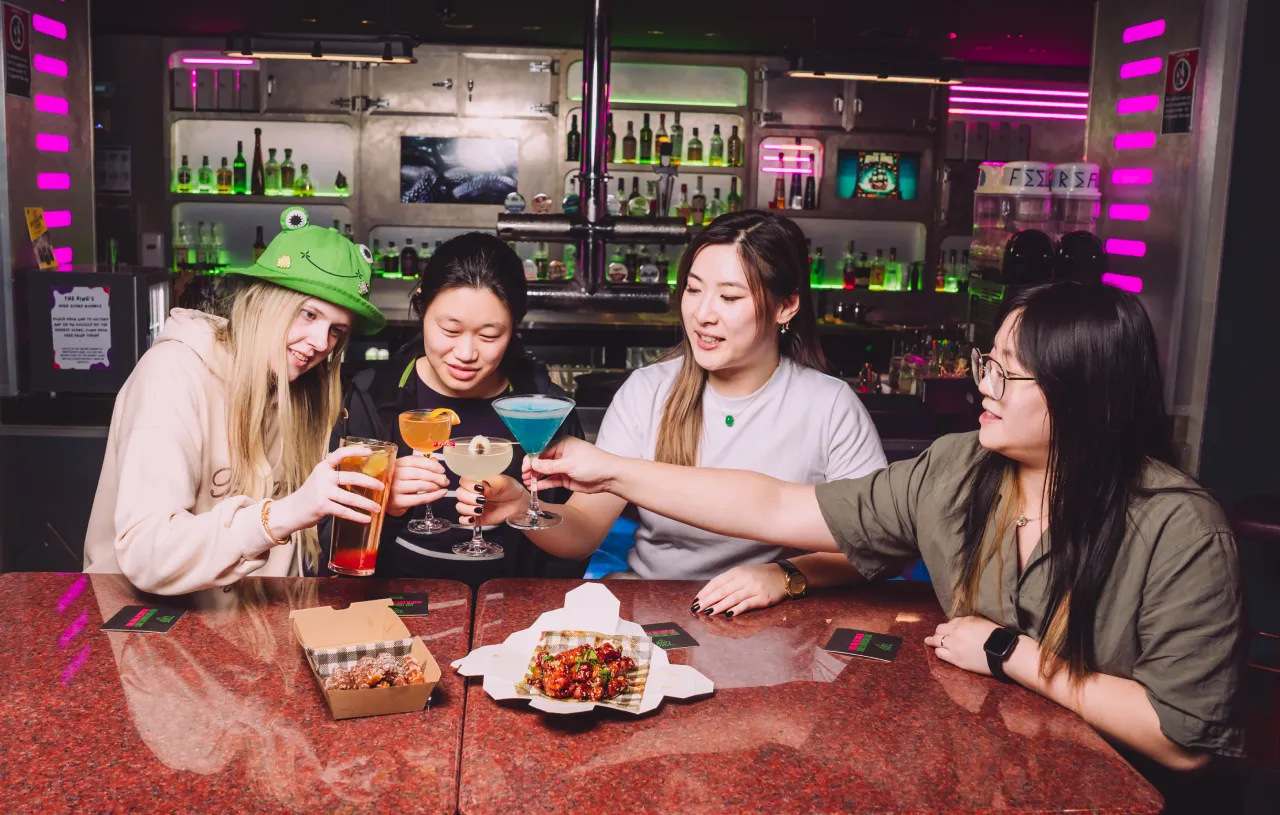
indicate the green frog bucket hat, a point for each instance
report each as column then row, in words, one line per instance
column 319, row 261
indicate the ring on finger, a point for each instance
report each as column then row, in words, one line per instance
column 942, row 643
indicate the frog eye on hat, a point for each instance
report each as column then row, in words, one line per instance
column 294, row 218
column 366, row 254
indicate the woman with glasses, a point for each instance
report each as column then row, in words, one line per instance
column 1071, row 554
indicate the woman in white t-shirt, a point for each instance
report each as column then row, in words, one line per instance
column 744, row 390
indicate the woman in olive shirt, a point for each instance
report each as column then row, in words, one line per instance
column 1072, row 556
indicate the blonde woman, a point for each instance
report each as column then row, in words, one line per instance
column 215, row 465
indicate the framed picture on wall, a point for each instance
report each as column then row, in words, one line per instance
column 442, row 170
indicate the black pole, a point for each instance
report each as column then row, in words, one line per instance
column 593, row 173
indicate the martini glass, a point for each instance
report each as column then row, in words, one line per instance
column 477, row 460
column 426, row 431
column 533, row 420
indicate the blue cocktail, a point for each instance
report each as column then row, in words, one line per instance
column 534, row 420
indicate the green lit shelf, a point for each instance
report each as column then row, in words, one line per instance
column 282, row 200
column 686, row 169
column 658, row 106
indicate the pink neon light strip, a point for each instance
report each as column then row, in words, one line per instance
column 801, row 147
column 1137, row 104
column 1120, row 246
column 63, row 254
column 1019, row 91
column 1026, row 114
column 1144, row 31
column 1123, row 282
column 795, row 170
column 1035, row 103
column 216, row 61
column 1117, row 212
column 53, row 181
column 77, row 588
column 1135, row 175
column 46, row 26
column 52, row 143
column 49, row 65
column 52, row 104
column 1135, row 141
column 54, row 218
column 1141, row 67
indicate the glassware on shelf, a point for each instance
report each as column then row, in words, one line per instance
column 239, row 172
column 715, row 207
column 303, row 186
column 646, row 142
column 205, row 178
column 695, row 148
column 224, row 178
column 573, row 142
column 637, row 204
column 182, row 181
column 340, row 185
column 259, row 246
column 629, row 145
column 287, row 172
column 271, row 173
column 698, row 214
column 717, row 149
column 258, row 176
column 735, row 148
column 661, row 137
column 611, row 143
column 677, row 140
column 733, row 203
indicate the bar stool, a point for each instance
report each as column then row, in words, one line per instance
column 1257, row 519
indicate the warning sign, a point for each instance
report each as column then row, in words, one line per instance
column 17, row 51
column 1180, row 91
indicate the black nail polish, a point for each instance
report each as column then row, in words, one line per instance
column 707, row 610
column 694, row 608
column 482, row 501
column 728, row 614
column 480, row 488
column 479, row 510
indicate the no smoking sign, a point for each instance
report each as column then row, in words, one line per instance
column 1180, row 91
column 17, row 51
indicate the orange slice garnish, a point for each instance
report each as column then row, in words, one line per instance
column 438, row 412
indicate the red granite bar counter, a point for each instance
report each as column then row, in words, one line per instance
column 790, row 728
column 219, row 715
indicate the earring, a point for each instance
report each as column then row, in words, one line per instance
column 786, row 327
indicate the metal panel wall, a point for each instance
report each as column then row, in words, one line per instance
column 1177, row 248
column 22, row 122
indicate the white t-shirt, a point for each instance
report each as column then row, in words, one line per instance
column 802, row 426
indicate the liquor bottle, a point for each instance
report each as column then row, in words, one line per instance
column 391, row 261
column 795, row 197
column 660, row 138
column 677, row 139
column 695, row 149
column 286, row 172
column 573, row 149
column 377, row 255
column 614, row 202
column 717, row 149
column 257, row 179
column 570, row 261
column 224, row 178
column 337, row 225
column 617, row 270
column 629, row 145
column 810, row 189
column 205, row 181
column 530, row 269
column 818, row 269
column 648, row 271
column 952, row 280
column 181, row 249
column 715, row 207
column 259, row 246
column 222, row 258
column 864, row 272
column 271, row 173
column 683, row 210
column 303, row 186
column 541, row 261
column 651, row 193
column 206, row 257
column 646, row 142
column 408, row 256
column 698, row 215
column 637, row 204
column 893, row 272
column 239, row 174
column 183, row 179
column 611, row 143
column 348, row 234
column 663, row 262
column 734, row 202
column 849, row 267
column 735, row 148
column 964, row 273
column 780, row 188
column 632, row 261
column 877, row 272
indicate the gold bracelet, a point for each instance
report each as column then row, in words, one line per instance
column 266, row 524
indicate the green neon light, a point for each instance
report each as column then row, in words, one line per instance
column 625, row 100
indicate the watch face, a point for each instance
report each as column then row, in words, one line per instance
column 1001, row 643
column 796, row 583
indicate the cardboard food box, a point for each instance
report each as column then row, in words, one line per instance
column 369, row 627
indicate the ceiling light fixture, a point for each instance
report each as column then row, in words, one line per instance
column 392, row 49
column 938, row 72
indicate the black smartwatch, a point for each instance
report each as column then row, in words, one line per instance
column 998, row 647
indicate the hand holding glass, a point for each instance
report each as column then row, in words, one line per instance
column 534, row 419
column 426, row 431
column 353, row 547
column 477, row 460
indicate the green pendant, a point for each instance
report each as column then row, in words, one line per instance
column 728, row 421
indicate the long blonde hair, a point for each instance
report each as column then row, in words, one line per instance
column 305, row 410
column 774, row 259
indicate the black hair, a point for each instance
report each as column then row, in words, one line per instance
column 1092, row 351
column 477, row 260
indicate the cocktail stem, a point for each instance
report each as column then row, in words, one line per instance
column 533, row 491
column 430, row 515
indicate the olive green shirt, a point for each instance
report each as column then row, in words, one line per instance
column 1170, row 616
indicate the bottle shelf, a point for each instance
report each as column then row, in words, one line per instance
column 282, row 200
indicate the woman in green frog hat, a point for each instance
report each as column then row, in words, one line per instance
column 216, row 462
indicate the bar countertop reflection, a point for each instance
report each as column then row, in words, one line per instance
column 221, row 714
column 790, row 727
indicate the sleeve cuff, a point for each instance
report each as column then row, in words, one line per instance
column 1193, row 733
column 246, row 529
column 851, row 542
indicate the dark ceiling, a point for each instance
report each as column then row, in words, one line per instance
column 1022, row 32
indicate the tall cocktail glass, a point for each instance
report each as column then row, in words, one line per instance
column 353, row 547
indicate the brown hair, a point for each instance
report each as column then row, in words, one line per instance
column 775, row 259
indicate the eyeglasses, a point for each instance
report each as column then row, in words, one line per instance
column 984, row 365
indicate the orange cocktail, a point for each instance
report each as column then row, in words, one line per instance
column 426, row 431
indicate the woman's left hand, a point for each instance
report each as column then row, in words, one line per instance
column 742, row 588
column 417, row 480
column 960, row 641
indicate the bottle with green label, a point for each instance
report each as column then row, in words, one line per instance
column 239, row 172
column 182, row 182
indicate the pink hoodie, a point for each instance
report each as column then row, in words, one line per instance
column 162, row 515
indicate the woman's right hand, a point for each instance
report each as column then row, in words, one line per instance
column 497, row 498
column 578, row 465
column 324, row 493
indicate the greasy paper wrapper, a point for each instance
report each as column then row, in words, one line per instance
column 590, row 610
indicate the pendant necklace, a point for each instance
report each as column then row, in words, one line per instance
column 1023, row 520
column 728, row 417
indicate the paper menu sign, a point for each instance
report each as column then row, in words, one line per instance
column 80, row 318
column 38, row 231
column 590, row 607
